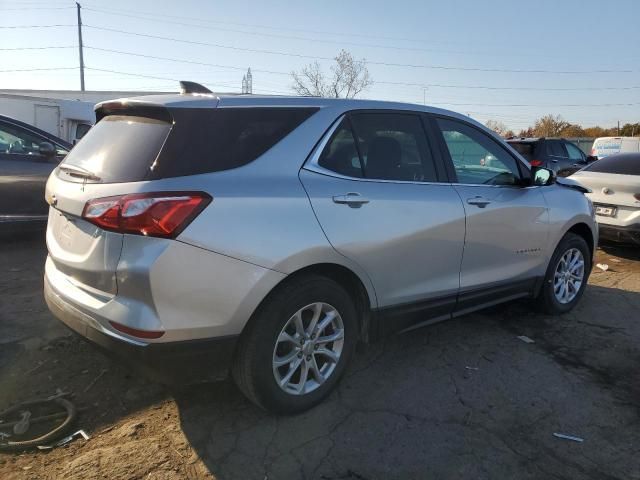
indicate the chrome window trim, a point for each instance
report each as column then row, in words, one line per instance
column 312, row 163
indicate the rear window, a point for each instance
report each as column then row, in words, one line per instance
column 122, row 148
column 625, row 164
column 524, row 149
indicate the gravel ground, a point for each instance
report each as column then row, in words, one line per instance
column 461, row 399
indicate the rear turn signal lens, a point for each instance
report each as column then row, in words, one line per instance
column 157, row 214
column 535, row 163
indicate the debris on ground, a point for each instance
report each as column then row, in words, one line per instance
column 568, row 437
column 26, row 420
column 472, row 368
column 65, row 440
column 526, row 339
column 602, row 266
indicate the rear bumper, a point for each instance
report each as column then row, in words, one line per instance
column 620, row 234
column 180, row 362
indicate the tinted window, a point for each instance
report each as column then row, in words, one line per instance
column 623, row 164
column 525, row 149
column 554, row 148
column 15, row 140
column 125, row 148
column 574, row 152
column 120, row 148
column 212, row 140
column 341, row 155
column 477, row 158
column 393, row 147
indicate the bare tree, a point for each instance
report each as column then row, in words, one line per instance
column 347, row 79
column 550, row 126
column 498, row 127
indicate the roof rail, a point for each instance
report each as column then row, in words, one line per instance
column 192, row 87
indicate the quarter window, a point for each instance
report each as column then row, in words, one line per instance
column 341, row 155
column 477, row 158
column 555, row 149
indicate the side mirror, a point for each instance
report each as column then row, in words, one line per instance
column 46, row 149
column 591, row 158
column 542, row 176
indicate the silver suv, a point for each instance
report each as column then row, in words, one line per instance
column 195, row 235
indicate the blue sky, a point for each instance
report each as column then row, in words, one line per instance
column 467, row 37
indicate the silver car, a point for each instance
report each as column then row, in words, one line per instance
column 196, row 235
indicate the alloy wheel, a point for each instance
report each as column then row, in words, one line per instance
column 569, row 276
column 308, row 348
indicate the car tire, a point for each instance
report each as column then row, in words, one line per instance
column 262, row 348
column 551, row 299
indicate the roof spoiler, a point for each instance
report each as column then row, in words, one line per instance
column 192, row 87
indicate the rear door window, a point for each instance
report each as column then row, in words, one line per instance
column 393, row 146
column 574, row 152
column 555, row 149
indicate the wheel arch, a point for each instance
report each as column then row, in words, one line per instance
column 360, row 290
column 583, row 230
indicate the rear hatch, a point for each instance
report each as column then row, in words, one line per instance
column 118, row 150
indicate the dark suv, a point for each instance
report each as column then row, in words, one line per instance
column 557, row 154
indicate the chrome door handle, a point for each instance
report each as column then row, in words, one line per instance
column 478, row 201
column 352, row 199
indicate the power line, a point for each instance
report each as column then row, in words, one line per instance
column 428, row 85
column 38, row 26
column 179, row 60
column 36, row 8
column 312, row 57
column 37, row 69
column 289, row 37
column 36, row 48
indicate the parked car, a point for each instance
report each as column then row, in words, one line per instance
column 605, row 146
column 27, row 156
column 557, row 154
column 614, row 182
column 270, row 234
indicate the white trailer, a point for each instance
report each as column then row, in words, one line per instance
column 67, row 119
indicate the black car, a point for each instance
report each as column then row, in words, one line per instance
column 27, row 156
column 557, row 154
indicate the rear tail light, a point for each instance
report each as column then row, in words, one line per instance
column 157, row 214
column 536, row 163
column 637, row 196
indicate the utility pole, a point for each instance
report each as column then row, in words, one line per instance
column 80, row 48
column 618, row 134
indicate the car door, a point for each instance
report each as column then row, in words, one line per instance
column 23, row 173
column 506, row 221
column 383, row 201
column 559, row 159
column 577, row 159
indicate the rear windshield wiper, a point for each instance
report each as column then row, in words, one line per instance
column 79, row 172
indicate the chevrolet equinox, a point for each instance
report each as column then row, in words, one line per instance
column 196, row 235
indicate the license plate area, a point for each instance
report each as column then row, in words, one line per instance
column 606, row 210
